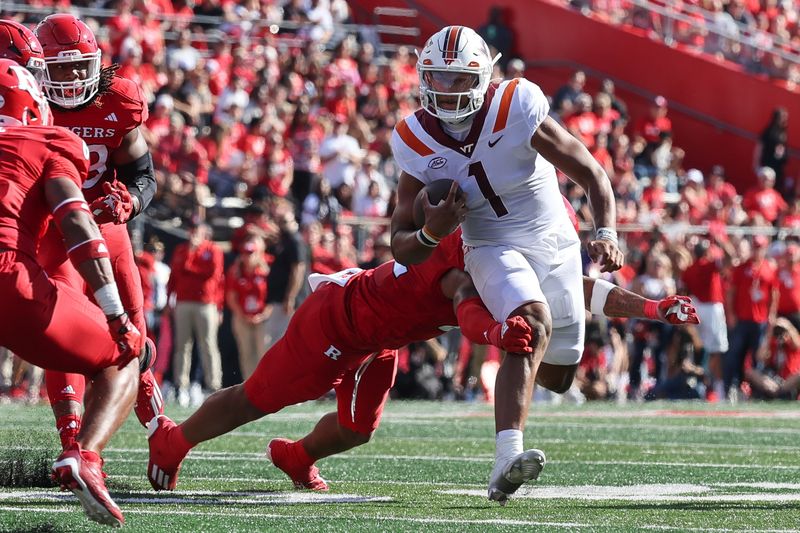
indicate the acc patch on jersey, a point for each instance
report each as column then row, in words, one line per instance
column 437, row 162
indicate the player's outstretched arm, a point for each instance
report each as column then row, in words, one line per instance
column 88, row 252
column 567, row 153
column 135, row 170
column 606, row 299
column 475, row 321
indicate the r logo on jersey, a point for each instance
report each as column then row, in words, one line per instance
column 333, row 352
column 437, row 162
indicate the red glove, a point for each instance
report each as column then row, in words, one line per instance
column 673, row 310
column 514, row 335
column 127, row 337
column 116, row 206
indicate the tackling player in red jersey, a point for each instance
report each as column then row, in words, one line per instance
column 360, row 318
column 105, row 111
column 46, row 322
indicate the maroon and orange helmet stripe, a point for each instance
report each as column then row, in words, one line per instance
column 450, row 48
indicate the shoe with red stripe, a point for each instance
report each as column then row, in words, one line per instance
column 166, row 453
column 285, row 454
column 149, row 403
column 82, row 473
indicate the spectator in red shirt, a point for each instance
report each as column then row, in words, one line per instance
column 604, row 112
column 157, row 124
column 653, row 195
column 601, row 154
column 255, row 221
column 764, row 199
column 652, row 126
column 196, row 279
column 583, row 124
column 792, row 218
column 246, row 296
column 703, row 282
column 717, row 188
column 789, row 284
column 695, row 195
column 191, row 158
column 751, row 305
column 776, row 373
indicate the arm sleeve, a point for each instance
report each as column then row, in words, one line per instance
column 474, row 320
column 139, row 178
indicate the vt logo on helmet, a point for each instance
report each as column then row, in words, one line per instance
column 455, row 69
column 72, row 57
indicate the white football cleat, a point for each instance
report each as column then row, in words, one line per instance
column 506, row 479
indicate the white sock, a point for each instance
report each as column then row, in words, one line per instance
column 508, row 444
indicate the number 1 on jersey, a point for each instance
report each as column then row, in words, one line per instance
column 476, row 169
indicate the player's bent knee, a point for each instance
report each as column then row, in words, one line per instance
column 556, row 378
column 355, row 438
column 537, row 315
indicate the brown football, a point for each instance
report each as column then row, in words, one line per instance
column 436, row 192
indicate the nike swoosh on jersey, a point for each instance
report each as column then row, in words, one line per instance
column 491, row 144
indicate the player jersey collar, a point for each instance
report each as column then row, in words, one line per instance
column 433, row 128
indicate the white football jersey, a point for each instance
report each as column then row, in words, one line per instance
column 512, row 191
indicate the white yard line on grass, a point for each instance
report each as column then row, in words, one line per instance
column 684, row 493
column 628, row 427
column 389, row 518
column 197, row 479
column 477, row 458
column 196, row 497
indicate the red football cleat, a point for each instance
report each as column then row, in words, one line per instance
column 165, row 459
column 82, row 473
column 304, row 476
column 149, row 403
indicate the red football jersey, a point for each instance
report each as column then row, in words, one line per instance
column 393, row 305
column 103, row 124
column 28, row 156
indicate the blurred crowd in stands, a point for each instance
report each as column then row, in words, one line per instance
column 763, row 36
column 269, row 126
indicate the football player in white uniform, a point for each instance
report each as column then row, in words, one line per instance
column 499, row 145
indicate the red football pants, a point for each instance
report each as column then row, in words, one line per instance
column 50, row 324
column 53, row 256
column 306, row 363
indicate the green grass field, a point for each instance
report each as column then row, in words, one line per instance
column 665, row 467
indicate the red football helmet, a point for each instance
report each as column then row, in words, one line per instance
column 21, row 101
column 72, row 58
column 19, row 44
